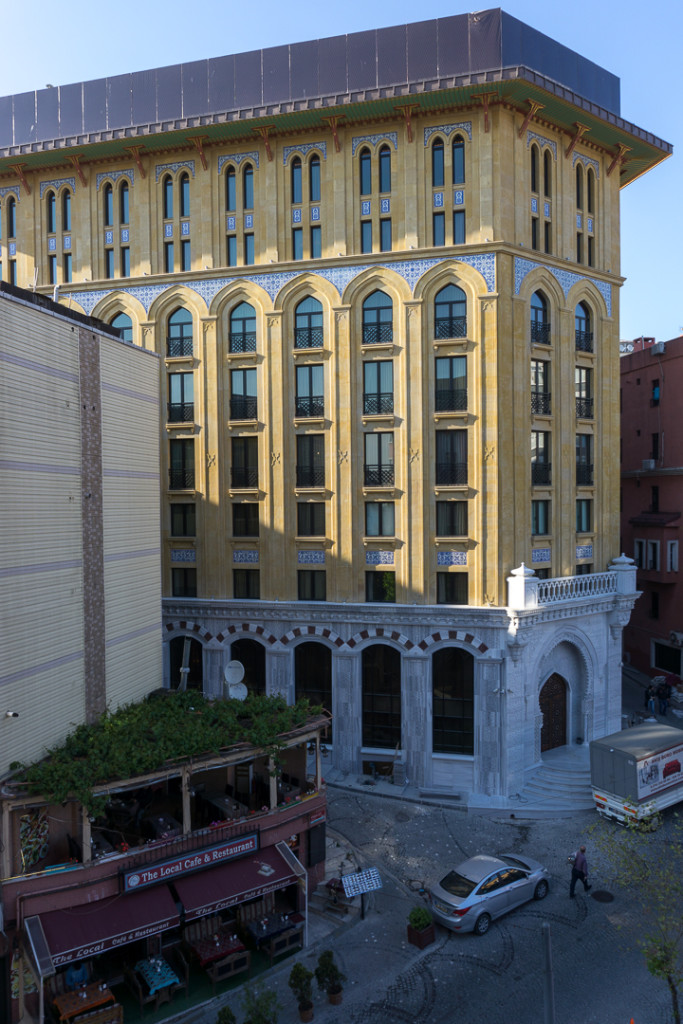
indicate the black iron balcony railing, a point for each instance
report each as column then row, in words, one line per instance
column 584, row 475
column 244, row 341
column 180, row 412
column 540, row 473
column 312, row 406
column 181, row 479
column 244, row 476
column 450, row 327
column 540, row 332
column 308, row 337
column 583, row 341
column 540, row 403
column 451, row 474
column 377, row 334
column 584, row 408
column 310, row 476
column 378, row 403
column 451, row 399
column 176, row 347
column 243, row 407
column 378, row 476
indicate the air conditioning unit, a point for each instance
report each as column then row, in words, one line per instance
column 676, row 638
column 648, row 464
column 658, row 349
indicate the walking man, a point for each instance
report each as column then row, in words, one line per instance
column 579, row 872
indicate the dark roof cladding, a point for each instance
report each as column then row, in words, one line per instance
column 337, row 67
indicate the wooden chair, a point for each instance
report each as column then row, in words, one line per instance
column 228, row 967
column 181, row 967
column 111, row 1014
column 143, row 995
column 293, row 938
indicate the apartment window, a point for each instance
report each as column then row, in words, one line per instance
column 316, row 242
column 579, row 186
column 540, row 457
column 672, row 556
column 124, row 206
column 654, row 448
column 248, row 187
column 450, row 384
column 378, row 312
column 547, row 174
column 246, row 585
column 243, row 328
column 452, row 588
column 451, row 457
column 13, row 272
column 437, row 164
column 125, row 261
column 579, row 247
column 169, row 258
column 311, row 585
column 451, row 519
column 308, row 324
column 583, row 569
column 66, row 267
column 51, row 206
column 123, row 323
column 184, row 582
column 295, row 175
column 310, row 518
column 181, row 465
column 654, row 499
column 232, row 251
column 590, row 191
column 310, row 460
column 583, row 390
column 439, row 229
column 52, row 269
column 366, row 236
column 654, row 396
column 108, row 208
column 185, row 255
column 378, row 388
column 245, row 521
column 380, row 587
column 458, row 156
column 231, row 190
column 540, row 319
column 459, row 227
column 653, row 555
column 243, row 400
column 185, row 195
column 244, row 469
column 584, row 515
column 109, row 263
column 180, row 397
column 379, row 519
column 583, row 331
column 248, row 250
column 547, row 236
column 385, row 169
column 654, row 604
column 167, row 187
column 452, row 701
column 66, row 211
column 183, row 519
column 584, row 460
column 385, row 234
column 639, row 553
column 591, row 251
column 378, row 470
column 540, row 387
column 365, row 162
column 450, row 313
column 179, row 340
column 534, row 233
column 381, row 697
column 310, row 399
column 534, row 168
column 314, row 179
column 540, row 518
column 297, row 243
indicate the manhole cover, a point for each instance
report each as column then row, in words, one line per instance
column 402, row 817
column 602, row 896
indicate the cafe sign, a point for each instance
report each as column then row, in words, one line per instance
column 163, row 871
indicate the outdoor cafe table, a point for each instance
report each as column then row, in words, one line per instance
column 163, row 826
column 70, row 1004
column 228, row 806
column 157, row 973
column 268, row 928
column 208, row 949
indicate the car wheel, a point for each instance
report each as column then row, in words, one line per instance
column 482, row 924
column 541, row 890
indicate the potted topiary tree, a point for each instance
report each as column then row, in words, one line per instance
column 260, row 1006
column 329, row 977
column 301, row 984
column 421, row 930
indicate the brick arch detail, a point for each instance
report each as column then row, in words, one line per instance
column 443, row 636
column 312, row 631
column 186, row 628
column 379, row 633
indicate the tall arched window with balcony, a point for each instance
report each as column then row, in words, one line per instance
column 540, row 319
column 583, row 328
column 378, row 313
column 179, row 338
column 308, row 324
column 450, row 313
column 243, row 328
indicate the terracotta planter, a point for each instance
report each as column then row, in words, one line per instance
column 423, row 938
column 335, row 997
column 306, row 1013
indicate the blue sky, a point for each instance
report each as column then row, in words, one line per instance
column 642, row 45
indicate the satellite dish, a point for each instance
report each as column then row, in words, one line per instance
column 234, row 674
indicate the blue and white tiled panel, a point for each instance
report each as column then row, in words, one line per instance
column 584, row 551
column 242, row 556
column 458, row 198
column 51, row 245
column 315, row 213
column 540, row 555
column 365, row 208
column 296, row 216
column 12, row 248
column 183, row 555
column 451, row 558
column 248, row 220
column 125, row 235
column 311, row 557
column 185, row 227
column 379, row 557
column 168, row 231
column 66, row 242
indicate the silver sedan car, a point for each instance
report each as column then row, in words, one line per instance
column 483, row 888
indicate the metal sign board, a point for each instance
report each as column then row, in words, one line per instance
column 361, row 881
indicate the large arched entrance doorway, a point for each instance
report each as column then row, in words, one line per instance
column 185, row 650
column 552, row 701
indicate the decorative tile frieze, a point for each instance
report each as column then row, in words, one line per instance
column 108, row 237
column 248, row 220
column 13, row 248
column 66, row 242
column 542, row 141
column 125, row 235
column 451, row 558
column 578, row 221
column 113, row 177
column 187, row 165
column 237, row 158
column 587, row 161
column 589, row 225
column 458, row 197
column 365, row 208
column 534, row 204
column 565, row 278
column 56, row 184
column 540, row 555
column 232, row 223
column 303, row 150
column 546, row 209
column 448, row 129
column 379, row 557
column 584, row 551
column 438, row 200
column 296, row 216
column 168, row 231
column 52, row 245
column 185, row 228
column 372, row 140
column 385, row 206
column 311, row 557
column 11, row 190
column 183, row 555
column 241, row 556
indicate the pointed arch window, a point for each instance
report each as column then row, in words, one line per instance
column 296, row 181
column 243, row 328
column 579, row 186
column 381, row 686
column 308, row 324
column 450, row 313
column 124, row 207
column 185, row 194
column 452, row 701
column 313, row 675
column 547, row 173
column 437, row 164
column 230, row 190
column 179, row 339
column 51, row 213
column 385, row 169
column 314, row 179
column 365, row 172
column 124, row 324
column 11, row 217
column 248, row 187
column 583, row 328
column 378, row 313
column 590, row 191
column 168, row 197
column 540, row 319
column 66, row 211
column 458, row 156
column 534, row 168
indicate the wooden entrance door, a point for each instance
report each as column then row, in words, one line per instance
column 553, row 703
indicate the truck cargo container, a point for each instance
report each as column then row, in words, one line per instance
column 637, row 772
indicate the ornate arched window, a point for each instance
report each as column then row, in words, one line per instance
column 450, row 313
column 243, row 328
column 124, row 324
column 308, row 324
column 540, row 319
column 179, row 338
column 452, row 701
column 381, row 685
column 437, row 163
column 378, row 312
column 313, row 675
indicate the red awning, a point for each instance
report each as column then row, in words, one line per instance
column 87, row 930
column 206, row 892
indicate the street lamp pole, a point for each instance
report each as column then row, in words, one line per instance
column 548, row 990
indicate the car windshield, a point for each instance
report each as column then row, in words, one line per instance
column 457, row 885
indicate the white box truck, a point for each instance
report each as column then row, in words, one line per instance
column 637, row 772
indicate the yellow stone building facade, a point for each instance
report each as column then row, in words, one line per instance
column 387, row 316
